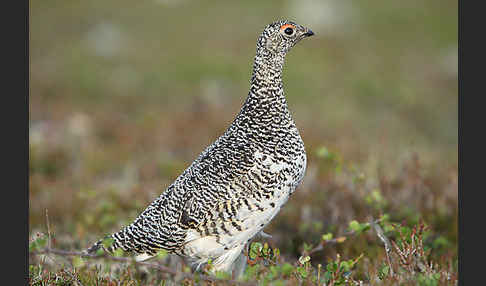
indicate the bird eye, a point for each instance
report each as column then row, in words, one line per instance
column 288, row 29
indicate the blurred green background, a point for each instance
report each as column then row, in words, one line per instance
column 125, row 94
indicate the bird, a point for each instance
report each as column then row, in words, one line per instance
column 238, row 184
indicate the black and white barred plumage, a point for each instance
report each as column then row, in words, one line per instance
column 239, row 183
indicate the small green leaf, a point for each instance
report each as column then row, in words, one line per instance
column 327, row 236
column 383, row 271
column 276, row 253
column 39, row 243
column 331, row 266
column 107, row 242
column 255, row 250
column 358, row 227
column 354, row 225
column 100, row 251
column 365, row 226
column 302, row 272
column 307, row 247
column 346, row 265
column 266, row 250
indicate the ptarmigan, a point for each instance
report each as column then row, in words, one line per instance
column 239, row 183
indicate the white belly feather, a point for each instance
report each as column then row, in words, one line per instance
column 224, row 248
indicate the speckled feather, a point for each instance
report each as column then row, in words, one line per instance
column 239, row 183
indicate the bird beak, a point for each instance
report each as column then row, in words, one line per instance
column 308, row 33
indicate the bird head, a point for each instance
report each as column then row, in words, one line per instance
column 279, row 37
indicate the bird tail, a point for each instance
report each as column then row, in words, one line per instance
column 108, row 244
column 132, row 238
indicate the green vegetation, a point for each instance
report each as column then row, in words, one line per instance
column 124, row 96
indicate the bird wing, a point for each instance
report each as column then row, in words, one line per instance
column 253, row 199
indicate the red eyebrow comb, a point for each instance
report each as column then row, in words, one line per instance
column 287, row 26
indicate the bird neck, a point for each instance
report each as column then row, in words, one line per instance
column 265, row 105
column 266, row 87
column 267, row 68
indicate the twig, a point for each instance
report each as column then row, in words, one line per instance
column 48, row 230
column 148, row 264
column 386, row 242
column 339, row 239
column 49, row 247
